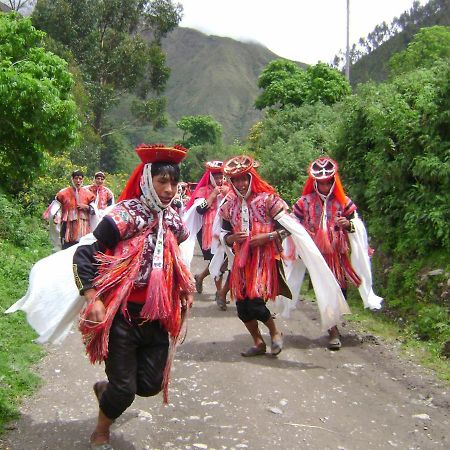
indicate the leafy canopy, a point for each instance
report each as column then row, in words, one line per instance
column 37, row 111
column 199, row 130
column 428, row 46
column 284, row 83
column 106, row 40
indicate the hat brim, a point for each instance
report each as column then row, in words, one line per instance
column 161, row 154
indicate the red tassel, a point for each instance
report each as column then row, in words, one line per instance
column 157, row 303
column 243, row 253
column 323, row 242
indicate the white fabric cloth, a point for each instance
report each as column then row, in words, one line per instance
column 52, row 301
column 54, row 229
column 193, row 221
column 361, row 263
column 294, row 271
column 331, row 301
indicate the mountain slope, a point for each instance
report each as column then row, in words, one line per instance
column 214, row 75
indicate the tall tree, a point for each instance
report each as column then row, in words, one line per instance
column 37, row 111
column 198, row 130
column 285, row 84
column 105, row 37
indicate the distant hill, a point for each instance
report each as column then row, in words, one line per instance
column 216, row 76
column 210, row 75
column 374, row 66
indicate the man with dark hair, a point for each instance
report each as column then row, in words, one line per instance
column 76, row 204
column 103, row 195
column 136, row 286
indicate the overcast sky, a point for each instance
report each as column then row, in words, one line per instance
column 302, row 30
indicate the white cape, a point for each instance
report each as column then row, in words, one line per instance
column 52, row 301
column 193, row 221
column 361, row 263
column 331, row 301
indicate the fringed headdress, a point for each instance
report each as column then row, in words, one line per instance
column 206, row 179
column 237, row 166
column 324, row 169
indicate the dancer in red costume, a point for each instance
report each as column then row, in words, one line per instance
column 327, row 214
column 249, row 228
column 201, row 211
column 136, row 286
column 76, row 208
column 103, row 195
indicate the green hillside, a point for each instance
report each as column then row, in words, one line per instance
column 210, row 75
column 373, row 66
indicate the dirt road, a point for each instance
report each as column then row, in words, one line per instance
column 361, row 397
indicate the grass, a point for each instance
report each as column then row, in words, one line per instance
column 18, row 352
column 426, row 353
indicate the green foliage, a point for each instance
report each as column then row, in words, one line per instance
column 56, row 171
column 428, row 46
column 284, row 83
column 37, row 111
column 103, row 37
column 198, row 130
column 22, row 242
column 395, row 144
column 325, row 84
column 193, row 166
column 288, row 140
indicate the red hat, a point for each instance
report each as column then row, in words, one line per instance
column 161, row 153
column 214, row 166
column 322, row 169
column 238, row 165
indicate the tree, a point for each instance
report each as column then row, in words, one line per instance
column 105, row 37
column 198, row 130
column 428, row 46
column 284, row 83
column 286, row 142
column 37, row 111
column 395, row 142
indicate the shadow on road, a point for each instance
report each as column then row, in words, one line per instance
column 72, row 435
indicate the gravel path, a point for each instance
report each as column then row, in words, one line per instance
column 362, row 397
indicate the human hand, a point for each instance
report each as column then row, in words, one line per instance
column 83, row 206
column 97, row 309
column 187, row 300
column 259, row 239
column 240, row 236
column 343, row 223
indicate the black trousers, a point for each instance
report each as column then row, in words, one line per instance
column 249, row 309
column 137, row 355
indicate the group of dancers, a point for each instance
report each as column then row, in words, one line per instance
column 133, row 280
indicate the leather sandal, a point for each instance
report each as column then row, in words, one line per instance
column 198, row 284
column 221, row 303
column 104, row 446
column 334, row 343
column 277, row 345
column 255, row 351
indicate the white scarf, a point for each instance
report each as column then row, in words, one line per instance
column 245, row 216
column 151, row 199
column 324, row 198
